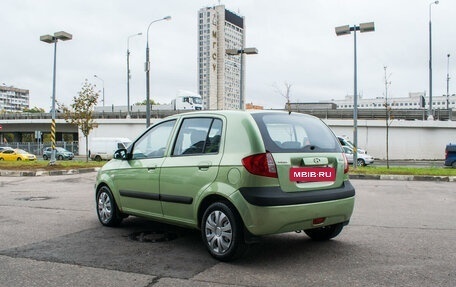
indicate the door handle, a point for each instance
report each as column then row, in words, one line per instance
column 204, row 165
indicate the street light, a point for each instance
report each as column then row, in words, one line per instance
column 233, row 52
column 345, row 30
column 128, row 72
column 448, row 83
column 431, row 116
column 64, row 36
column 103, row 95
column 147, row 69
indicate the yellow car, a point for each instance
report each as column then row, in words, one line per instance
column 16, row 154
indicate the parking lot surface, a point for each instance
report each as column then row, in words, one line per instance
column 402, row 233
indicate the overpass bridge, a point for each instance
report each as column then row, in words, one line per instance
column 411, row 137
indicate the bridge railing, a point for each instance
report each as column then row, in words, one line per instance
column 404, row 114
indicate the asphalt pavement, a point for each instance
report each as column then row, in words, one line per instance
column 401, row 234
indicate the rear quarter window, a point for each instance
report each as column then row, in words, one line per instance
column 282, row 132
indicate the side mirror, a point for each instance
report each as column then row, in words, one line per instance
column 121, row 154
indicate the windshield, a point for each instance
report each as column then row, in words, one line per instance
column 197, row 100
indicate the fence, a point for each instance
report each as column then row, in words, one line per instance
column 37, row 148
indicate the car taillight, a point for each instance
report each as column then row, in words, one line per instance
column 260, row 164
column 346, row 166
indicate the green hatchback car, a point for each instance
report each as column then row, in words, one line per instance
column 234, row 175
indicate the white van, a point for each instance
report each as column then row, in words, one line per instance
column 104, row 148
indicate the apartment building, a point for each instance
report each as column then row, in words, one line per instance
column 219, row 74
column 13, row 99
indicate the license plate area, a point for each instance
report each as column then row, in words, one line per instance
column 312, row 174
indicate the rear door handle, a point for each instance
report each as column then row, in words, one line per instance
column 204, row 165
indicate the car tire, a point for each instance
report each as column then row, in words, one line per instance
column 107, row 210
column 97, row 158
column 453, row 165
column 60, row 157
column 222, row 232
column 19, row 159
column 45, row 157
column 361, row 162
column 324, row 233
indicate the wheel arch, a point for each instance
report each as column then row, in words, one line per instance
column 210, row 199
column 114, row 194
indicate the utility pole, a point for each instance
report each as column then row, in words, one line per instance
column 387, row 116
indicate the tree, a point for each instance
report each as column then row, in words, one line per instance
column 143, row 103
column 33, row 110
column 285, row 93
column 80, row 112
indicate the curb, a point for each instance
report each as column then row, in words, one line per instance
column 352, row 176
column 14, row 173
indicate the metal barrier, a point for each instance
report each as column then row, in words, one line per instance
column 37, row 148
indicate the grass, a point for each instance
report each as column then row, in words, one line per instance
column 402, row 170
column 44, row 165
column 370, row 170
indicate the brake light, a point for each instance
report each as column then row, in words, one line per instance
column 346, row 166
column 260, row 164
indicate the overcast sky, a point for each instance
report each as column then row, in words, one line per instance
column 296, row 41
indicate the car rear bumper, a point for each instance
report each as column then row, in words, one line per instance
column 296, row 211
column 274, row 196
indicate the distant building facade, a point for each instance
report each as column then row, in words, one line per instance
column 219, row 75
column 13, row 99
column 413, row 101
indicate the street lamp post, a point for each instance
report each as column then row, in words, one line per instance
column 345, row 30
column 233, row 52
column 431, row 116
column 53, row 39
column 103, row 93
column 128, row 72
column 448, row 83
column 147, row 69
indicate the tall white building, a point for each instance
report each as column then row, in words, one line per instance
column 219, row 75
column 13, row 99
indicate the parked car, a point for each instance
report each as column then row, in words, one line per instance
column 5, row 148
column 362, row 158
column 60, row 153
column 450, row 155
column 345, row 142
column 233, row 175
column 104, row 148
column 16, row 154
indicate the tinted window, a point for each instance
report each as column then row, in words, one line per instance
column 153, row 143
column 197, row 136
column 295, row 133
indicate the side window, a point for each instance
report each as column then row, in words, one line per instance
column 198, row 136
column 153, row 143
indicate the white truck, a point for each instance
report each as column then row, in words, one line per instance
column 185, row 100
column 104, row 148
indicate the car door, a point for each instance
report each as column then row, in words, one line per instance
column 8, row 155
column 191, row 167
column 137, row 179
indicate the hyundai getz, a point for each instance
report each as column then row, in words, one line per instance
column 234, row 175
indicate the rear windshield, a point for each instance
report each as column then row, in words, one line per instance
column 294, row 132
